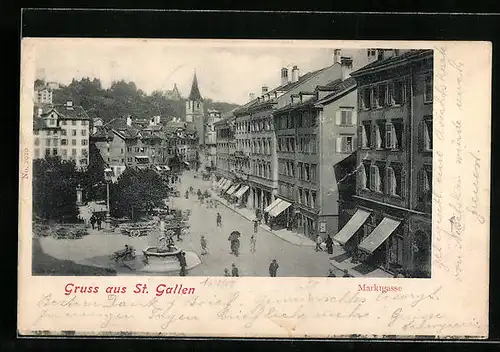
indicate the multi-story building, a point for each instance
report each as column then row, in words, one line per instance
column 63, row 131
column 224, row 162
column 388, row 221
column 211, row 137
column 255, row 129
column 43, row 95
column 195, row 111
column 315, row 132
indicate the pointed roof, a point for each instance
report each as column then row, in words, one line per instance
column 195, row 91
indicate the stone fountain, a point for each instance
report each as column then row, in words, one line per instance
column 164, row 253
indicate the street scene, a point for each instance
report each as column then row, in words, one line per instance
column 313, row 162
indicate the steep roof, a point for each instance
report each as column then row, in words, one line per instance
column 390, row 61
column 336, row 88
column 74, row 112
column 195, row 91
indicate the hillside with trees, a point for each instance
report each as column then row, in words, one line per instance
column 123, row 98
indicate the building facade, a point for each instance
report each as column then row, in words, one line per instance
column 195, row 112
column 315, row 132
column 63, row 131
column 211, row 138
column 224, row 161
column 388, row 222
column 43, row 95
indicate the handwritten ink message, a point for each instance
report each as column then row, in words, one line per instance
column 168, row 312
column 449, row 232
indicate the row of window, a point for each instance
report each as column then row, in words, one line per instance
column 263, row 124
column 392, row 92
column 387, row 93
column 389, row 135
column 300, row 195
column 297, row 120
column 382, row 179
column 55, row 142
column 256, row 146
column 53, row 122
column 60, row 152
column 262, row 168
column 303, row 171
column 63, row 132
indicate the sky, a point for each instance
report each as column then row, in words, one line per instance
column 226, row 70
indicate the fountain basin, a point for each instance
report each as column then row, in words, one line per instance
column 156, row 255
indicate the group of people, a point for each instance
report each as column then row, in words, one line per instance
column 96, row 221
column 328, row 243
column 273, row 270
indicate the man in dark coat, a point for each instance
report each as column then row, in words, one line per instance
column 92, row 220
column 219, row 220
column 329, row 244
column 273, row 268
column 183, row 264
column 331, row 273
column 235, row 271
column 99, row 221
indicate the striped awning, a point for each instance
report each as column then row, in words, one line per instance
column 278, row 209
column 272, row 205
column 379, row 235
column 241, row 191
column 232, row 189
column 353, row 225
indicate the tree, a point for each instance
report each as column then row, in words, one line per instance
column 136, row 193
column 54, row 189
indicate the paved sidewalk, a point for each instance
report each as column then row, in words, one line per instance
column 285, row 235
column 342, row 261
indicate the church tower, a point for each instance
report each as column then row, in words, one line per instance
column 194, row 110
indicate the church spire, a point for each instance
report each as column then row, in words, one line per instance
column 195, row 91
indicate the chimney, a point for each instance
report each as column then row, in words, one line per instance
column 346, row 67
column 337, row 56
column 251, row 96
column 284, row 76
column 264, row 90
column 295, row 73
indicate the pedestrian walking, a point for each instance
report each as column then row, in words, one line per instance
column 99, row 221
column 319, row 241
column 203, row 243
column 253, row 243
column 331, row 273
column 329, row 244
column 219, row 220
column 255, row 226
column 235, row 271
column 227, row 273
column 92, row 221
column 183, row 264
column 346, row 273
column 273, row 268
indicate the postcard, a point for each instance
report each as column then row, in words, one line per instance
column 254, row 188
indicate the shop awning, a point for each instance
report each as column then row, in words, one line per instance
column 186, row 163
column 223, row 183
column 241, row 191
column 272, row 205
column 158, row 168
column 232, row 189
column 379, row 235
column 166, row 168
column 227, row 185
column 353, row 225
column 277, row 210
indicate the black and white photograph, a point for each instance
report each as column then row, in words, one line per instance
column 227, row 160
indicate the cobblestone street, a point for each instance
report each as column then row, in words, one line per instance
column 293, row 260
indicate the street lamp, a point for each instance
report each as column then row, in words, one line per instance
column 108, row 176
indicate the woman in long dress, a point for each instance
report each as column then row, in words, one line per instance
column 329, row 244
